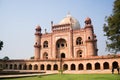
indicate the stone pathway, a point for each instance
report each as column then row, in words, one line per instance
column 23, row 75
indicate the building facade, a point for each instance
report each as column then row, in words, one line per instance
column 67, row 40
column 68, row 47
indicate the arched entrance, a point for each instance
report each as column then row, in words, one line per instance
column 30, row 67
column 35, row 67
column 72, row 66
column 24, row 67
column 20, row 67
column 48, row 67
column 80, row 67
column 15, row 66
column 97, row 66
column 114, row 64
column 89, row 66
column 61, row 46
column 106, row 65
column 62, row 55
column 65, row 67
column 42, row 67
column 55, row 67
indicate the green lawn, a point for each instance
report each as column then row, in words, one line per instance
column 72, row 77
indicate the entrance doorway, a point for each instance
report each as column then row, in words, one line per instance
column 62, row 55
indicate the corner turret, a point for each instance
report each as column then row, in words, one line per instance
column 90, row 38
column 37, row 42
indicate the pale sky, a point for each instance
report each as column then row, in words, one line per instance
column 18, row 19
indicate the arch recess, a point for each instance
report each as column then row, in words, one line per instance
column 106, row 65
column 97, row 66
column 55, row 67
column 89, row 66
column 80, row 67
column 73, row 67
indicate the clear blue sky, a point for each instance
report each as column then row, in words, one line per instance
column 18, row 19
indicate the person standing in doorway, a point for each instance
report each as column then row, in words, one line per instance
column 112, row 70
column 118, row 69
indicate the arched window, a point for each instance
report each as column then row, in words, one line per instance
column 30, row 67
column 79, row 41
column 80, row 67
column 65, row 67
column 48, row 67
column 45, row 55
column 20, row 67
column 35, row 67
column 97, row 66
column 42, row 67
column 114, row 64
column 11, row 66
column 6, row 66
column 24, row 67
column 61, row 44
column 45, row 44
column 88, row 66
column 63, row 55
column 106, row 65
column 55, row 67
column 15, row 66
column 72, row 66
column 79, row 53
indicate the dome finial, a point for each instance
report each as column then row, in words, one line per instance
column 68, row 14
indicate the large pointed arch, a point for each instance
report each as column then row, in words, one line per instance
column 61, row 45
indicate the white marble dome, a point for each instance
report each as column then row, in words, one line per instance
column 69, row 19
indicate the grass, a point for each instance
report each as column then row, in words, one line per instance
column 72, row 77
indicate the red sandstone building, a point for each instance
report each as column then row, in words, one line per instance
column 68, row 47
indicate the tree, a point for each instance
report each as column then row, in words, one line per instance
column 112, row 29
column 32, row 57
column 1, row 44
column 6, row 58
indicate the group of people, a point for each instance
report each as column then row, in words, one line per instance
column 118, row 69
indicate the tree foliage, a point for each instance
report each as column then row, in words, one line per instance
column 32, row 57
column 6, row 58
column 1, row 44
column 112, row 29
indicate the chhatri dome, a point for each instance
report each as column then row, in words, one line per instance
column 70, row 20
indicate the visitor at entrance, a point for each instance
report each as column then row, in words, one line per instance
column 118, row 69
column 112, row 70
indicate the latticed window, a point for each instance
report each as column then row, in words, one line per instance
column 79, row 41
column 45, row 44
